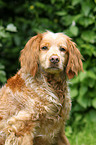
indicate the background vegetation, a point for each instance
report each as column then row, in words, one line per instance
column 20, row 20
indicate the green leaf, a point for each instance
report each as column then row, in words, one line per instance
column 94, row 103
column 61, row 13
column 74, row 92
column 1, row 66
column 86, row 21
column 92, row 115
column 75, row 2
column 86, row 7
column 91, row 94
column 82, row 101
column 74, row 30
column 0, row 44
column 1, row 28
column 77, row 107
column 75, row 80
column 78, row 117
column 77, row 17
column 2, row 73
column 83, row 90
column 89, row 36
column 2, row 76
column 68, row 131
column 67, row 20
column 91, row 74
column 40, row 5
column 82, row 76
column 17, row 40
column 3, row 34
column 53, row 1
column 88, row 49
column 11, row 28
column 91, row 83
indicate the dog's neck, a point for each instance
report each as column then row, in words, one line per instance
column 58, row 82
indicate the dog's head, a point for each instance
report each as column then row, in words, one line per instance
column 52, row 52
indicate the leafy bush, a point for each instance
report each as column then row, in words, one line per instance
column 86, row 136
column 76, row 18
column 5, row 36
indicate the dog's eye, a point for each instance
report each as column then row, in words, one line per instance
column 44, row 48
column 62, row 49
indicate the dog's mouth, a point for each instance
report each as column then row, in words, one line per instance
column 53, row 69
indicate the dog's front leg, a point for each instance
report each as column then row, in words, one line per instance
column 13, row 139
column 19, row 129
column 62, row 140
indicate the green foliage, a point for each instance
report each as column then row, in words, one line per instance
column 2, row 74
column 76, row 18
column 5, row 36
column 84, row 136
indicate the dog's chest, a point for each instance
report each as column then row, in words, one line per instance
column 48, row 128
column 48, row 110
column 47, row 105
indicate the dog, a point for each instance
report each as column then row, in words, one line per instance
column 35, row 103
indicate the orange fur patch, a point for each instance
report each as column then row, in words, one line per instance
column 15, row 83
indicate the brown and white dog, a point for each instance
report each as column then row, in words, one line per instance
column 35, row 103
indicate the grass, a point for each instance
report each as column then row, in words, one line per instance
column 86, row 136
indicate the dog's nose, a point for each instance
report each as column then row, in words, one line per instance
column 54, row 59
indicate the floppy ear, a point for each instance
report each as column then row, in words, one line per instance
column 74, row 64
column 30, row 55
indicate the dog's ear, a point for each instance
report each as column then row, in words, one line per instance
column 30, row 55
column 74, row 64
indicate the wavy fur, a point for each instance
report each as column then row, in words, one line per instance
column 35, row 103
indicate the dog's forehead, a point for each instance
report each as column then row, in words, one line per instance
column 54, row 37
